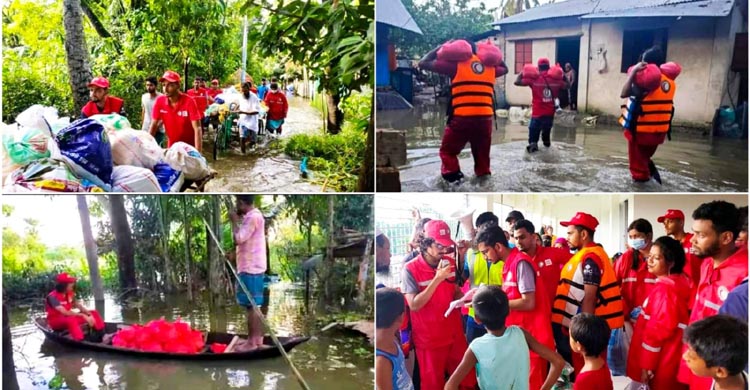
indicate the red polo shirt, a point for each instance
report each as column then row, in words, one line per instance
column 214, row 92
column 201, row 98
column 178, row 118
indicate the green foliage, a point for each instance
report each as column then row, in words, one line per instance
column 441, row 21
column 27, row 285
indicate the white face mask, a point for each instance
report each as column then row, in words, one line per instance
column 637, row 244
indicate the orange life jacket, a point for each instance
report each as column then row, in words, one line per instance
column 656, row 109
column 570, row 293
column 472, row 89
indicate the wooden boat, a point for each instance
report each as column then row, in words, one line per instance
column 212, row 337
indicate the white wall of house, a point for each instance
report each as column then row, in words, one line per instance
column 650, row 207
column 702, row 46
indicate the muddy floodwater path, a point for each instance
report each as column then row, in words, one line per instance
column 581, row 159
column 265, row 168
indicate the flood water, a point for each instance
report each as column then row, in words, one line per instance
column 264, row 169
column 329, row 360
column 581, row 159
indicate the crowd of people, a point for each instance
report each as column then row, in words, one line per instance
column 174, row 116
column 646, row 115
column 519, row 309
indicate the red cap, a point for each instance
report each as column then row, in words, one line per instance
column 170, row 76
column 542, row 61
column 100, row 82
column 440, row 231
column 582, row 219
column 672, row 214
column 65, row 278
column 214, row 81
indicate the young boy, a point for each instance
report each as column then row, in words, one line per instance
column 390, row 369
column 717, row 348
column 589, row 336
column 501, row 356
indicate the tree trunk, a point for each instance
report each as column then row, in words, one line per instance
column 366, row 174
column 76, row 53
column 186, row 228
column 95, row 22
column 169, row 275
column 124, row 242
column 10, row 382
column 216, row 261
column 329, row 260
column 335, row 116
column 90, row 245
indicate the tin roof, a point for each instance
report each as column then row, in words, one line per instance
column 394, row 13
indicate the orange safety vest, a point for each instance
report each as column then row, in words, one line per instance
column 570, row 291
column 472, row 88
column 656, row 110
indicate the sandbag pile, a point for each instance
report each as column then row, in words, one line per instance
column 460, row 50
column 44, row 153
column 161, row 336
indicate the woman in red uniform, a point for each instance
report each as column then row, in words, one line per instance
column 635, row 280
column 59, row 306
column 656, row 347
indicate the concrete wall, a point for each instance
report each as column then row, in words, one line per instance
column 702, row 46
column 650, row 207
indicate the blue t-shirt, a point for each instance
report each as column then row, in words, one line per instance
column 502, row 362
column 400, row 378
column 262, row 89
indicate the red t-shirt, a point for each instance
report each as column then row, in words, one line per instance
column 178, row 118
column 594, row 380
column 200, row 97
column 544, row 91
column 277, row 105
column 214, row 92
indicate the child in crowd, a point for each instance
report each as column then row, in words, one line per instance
column 501, row 356
column 589, row 336
column 717, row 348
column 390, row 369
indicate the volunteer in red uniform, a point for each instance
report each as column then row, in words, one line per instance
column 631, row 269
column 471, row 112
column 278, row 107
column 656, row 346
column 548, row 260
column 201, row 96
column 59, row 306
column 544, row 91
column 715, row 228
column 101, row 102
column 439, row 340
column 214, row 91
column 587, row 284
column 646, row 117
column 178, row 112
column 674, row 226
column 527, row 296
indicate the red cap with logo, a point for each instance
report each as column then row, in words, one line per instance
column 582, row 219
column 100, row 82
column 65, row 278
column 672, row 214
column 170, row 76
column 439, row 231
column 542, row 61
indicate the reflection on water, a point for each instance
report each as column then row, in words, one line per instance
column 329, row 360
column 264, row 169
column 581, row 159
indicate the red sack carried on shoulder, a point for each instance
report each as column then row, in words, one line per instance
column 456, row 51
column 671, row 70
column 555, row 72
column 489, row 54
column 648, row 78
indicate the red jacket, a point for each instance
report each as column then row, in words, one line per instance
column 635, row 285
column 112, row 105
column 715, row 284
column 430, row 328
column 657, row 339
column 53, row 315
column 692, row 266
column 277, row 105
column 550, row 262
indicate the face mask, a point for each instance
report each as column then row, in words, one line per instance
column 637, row 244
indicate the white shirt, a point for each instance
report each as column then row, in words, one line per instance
column 249, row 104
column 147, row 102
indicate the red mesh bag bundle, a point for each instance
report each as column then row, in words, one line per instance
column 648, row 78
column 671, row 69
column 555, row 72
column 456, row 51
column 529, row 73
column 489, row 54
column 218, row 347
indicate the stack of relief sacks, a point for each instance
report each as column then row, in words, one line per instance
column 44, row 153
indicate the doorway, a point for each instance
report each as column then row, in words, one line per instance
column 568, row 51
